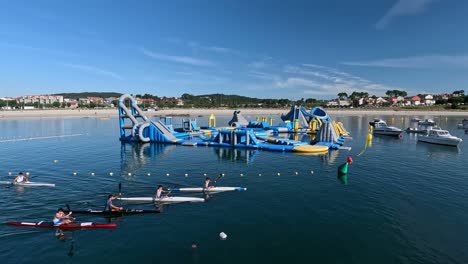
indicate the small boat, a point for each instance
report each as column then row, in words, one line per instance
column 427, row 122
column 116, row 213
column 170, row 199
column 48, row 224
column 214, row 189
column 416, row 130
column 381, row 128
column 463, row 124
column 28, row 184
column 441, row 137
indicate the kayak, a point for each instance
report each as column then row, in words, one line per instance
column 170, row 199
column 28, row 184
column 214, row 189
column 115, row 213
column 47, row 224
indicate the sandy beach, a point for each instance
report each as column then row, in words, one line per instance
column 66, row 113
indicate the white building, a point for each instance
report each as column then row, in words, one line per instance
column 41, row 99
column 429, row 100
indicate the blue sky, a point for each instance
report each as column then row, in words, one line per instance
column 264, row 49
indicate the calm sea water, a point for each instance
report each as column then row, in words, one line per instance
column 405, row 202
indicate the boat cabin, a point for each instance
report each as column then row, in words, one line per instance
column 380, row 124
column 438, row 133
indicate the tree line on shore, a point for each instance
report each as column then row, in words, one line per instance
column 222, row 100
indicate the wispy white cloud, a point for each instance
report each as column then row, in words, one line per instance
column 197, row 46
column 313, row 80
column 177, row 59
column 430, row 61
column 403, row 8
column 320, row 80
column 296, row 82
column 36, row 49
column 94, row 70
column 264, row 75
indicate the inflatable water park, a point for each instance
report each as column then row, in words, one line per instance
column 135, row 126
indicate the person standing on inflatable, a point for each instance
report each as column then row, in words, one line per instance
column 343, row 171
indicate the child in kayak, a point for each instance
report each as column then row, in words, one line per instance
column 20, row 178
column 110, row 206
column 62, row 218
column 159, row 193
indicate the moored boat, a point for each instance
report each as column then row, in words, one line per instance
column 427, row 122
column 381, row 128
column 463, row 124
column 441, row 137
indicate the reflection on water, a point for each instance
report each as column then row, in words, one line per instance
column 232, row 154
column 435, row 151
column 134, row 156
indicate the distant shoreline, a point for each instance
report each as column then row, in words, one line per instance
column 107, row 113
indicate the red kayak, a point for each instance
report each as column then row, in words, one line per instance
column 63, row 226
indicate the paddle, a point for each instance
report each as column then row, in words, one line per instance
column 219, row 177
column 69, row 210
column 120, row 194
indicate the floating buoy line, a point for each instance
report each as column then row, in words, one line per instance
column 186, row 175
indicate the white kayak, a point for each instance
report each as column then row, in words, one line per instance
column 170, row 199
column 28, row 184
column 213, row 189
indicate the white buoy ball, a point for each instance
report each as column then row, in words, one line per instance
column 129, row 174
column 279, row 174
column 311, row 172
column 242, row 174
column 27, row 173
column 55, row 161
column 297, row 173
column 259, row 174
column 186, row 174
column 167, row 174
column 74, row 174
column 92, row 174
column 222, row 236
column 222, row 174
column 111, row 173
column 149, row 174
column 204, row 174
column 9, row 173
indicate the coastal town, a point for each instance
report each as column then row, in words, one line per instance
column 394, row 98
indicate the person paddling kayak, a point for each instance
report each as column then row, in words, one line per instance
column 160, row 191
column 20, row 178
column 62, row 218
column 110, row 206
column 207, row 183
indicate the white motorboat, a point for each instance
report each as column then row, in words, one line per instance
column 381, row 128
column 427, row 122
column 441, row 137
